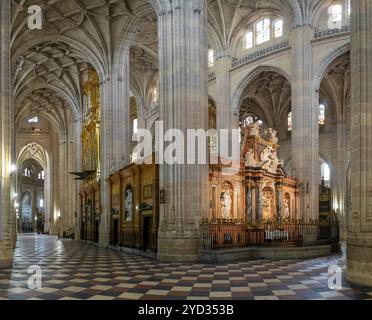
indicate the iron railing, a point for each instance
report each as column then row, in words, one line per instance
column 222, row 234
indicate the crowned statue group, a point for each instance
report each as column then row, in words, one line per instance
column 267, row 158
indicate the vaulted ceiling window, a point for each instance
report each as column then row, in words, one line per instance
column 210, row 58
column 278, row 28
column 322, row 114
column 290, row 121
column 41, row 175
column 155, row 95
column 335, row 16
column 135, row 126
column 248, row 40
column 263, row 29
column 33, row 120
column 27, row 172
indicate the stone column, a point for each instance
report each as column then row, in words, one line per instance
column 225, row 119
column 305, row 133
column 7, row 178
column 248, row 204
column 183, row 105
column 339, row 177
column 114, row 140
column 279, row 201
column 259, row 203
column 359, row 238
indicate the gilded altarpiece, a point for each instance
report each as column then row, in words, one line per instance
column 91, row 124
column 256, row 205
column 90, row 138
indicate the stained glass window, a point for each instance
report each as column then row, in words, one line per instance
column 41, row 175
column 135, row 126
column 210, row 58
column 155, row 95
column 335, row 16
column 263, row 28
column 322, row 114
column 290, row 121
column 278, row 28
column 33, row 120
column 249, row 40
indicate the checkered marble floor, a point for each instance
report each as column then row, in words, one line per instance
column 73, row 270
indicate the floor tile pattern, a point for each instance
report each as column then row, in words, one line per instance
column 73, row 270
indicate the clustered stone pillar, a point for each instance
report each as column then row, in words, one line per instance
column 115, row 139
column 305, row 133
column 7, row 178
column 359, row 238
column 183, row 105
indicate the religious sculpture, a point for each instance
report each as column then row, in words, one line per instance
column 272, row 136
column 250, row 161
column 226, row 205
column 287, row 212
column 269, row 160
column 129, row 205
column 254, row 128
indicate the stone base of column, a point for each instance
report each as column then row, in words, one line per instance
column 175, row 249
column 359, row 265
column 6, row 258
column 103, row 238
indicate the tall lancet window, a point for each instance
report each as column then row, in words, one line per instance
column 322, row 114
column 263, row 31
column 210, row 58
column 248, row 40
column 278, row 28
column 155, row 95
column 335, row 16
column 290, row 121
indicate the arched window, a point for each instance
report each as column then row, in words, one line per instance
column 335, row 16
column 278, row 28
column 27, row 172
column 290, row 121
column 33, row 120
column 248, row 40
column 322, row 114
column 210, row 58
column 326, row 173
column 155, row 95
column 135, row 126
column 263, row 28
column 41, row 203
column 41, row 175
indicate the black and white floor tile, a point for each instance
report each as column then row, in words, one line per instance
column 73, row 270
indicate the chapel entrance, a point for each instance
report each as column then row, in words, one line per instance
column 147, row 225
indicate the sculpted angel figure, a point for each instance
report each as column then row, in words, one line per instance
column 250, row 161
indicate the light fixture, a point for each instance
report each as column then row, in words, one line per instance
column 13, row 168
